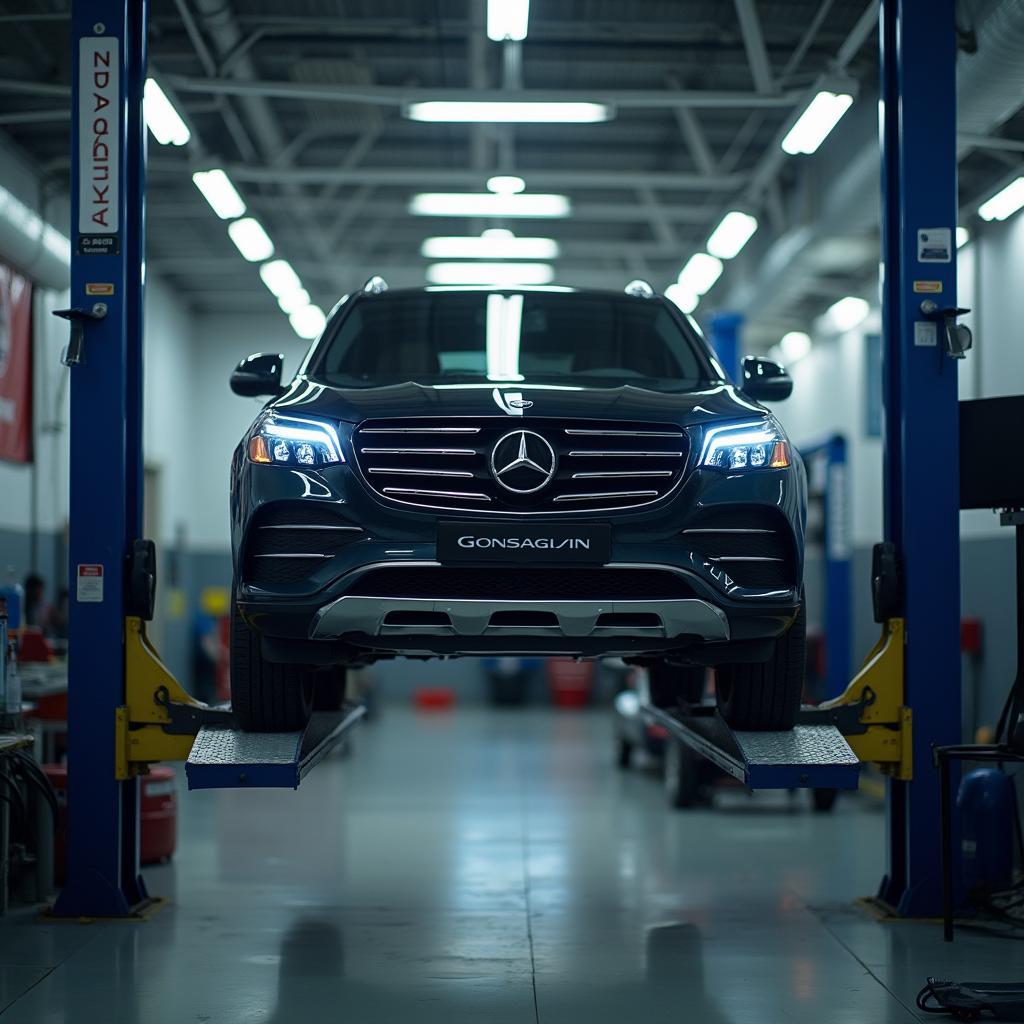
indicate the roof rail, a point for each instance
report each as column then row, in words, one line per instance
column 640, row 289
column 375, row 285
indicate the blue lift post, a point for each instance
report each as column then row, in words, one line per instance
column 108, row 171
column 837, row 556
column 725, row 340
column 921, row 457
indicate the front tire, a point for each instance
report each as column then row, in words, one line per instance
column 266, row 696
column 680, row 775
column 766, row 697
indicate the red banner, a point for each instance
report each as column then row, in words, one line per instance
column 15, row 366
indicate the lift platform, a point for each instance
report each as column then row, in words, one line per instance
column 807, row 756
column 226, row 758
column 162, row 722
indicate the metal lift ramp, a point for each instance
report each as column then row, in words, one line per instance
column 226, row 758
column 807, row 756
column 160, row 721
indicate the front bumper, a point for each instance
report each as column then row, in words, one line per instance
column 710, row 613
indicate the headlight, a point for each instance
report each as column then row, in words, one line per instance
column 292, row 441
column 743, row 446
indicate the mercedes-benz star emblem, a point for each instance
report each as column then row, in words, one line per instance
column 522, row 462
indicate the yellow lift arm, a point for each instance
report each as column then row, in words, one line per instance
column 881, row 730
column 160, row 719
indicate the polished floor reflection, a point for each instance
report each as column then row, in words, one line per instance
column 493, row 866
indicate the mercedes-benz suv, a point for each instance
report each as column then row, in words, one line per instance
column 474, row 471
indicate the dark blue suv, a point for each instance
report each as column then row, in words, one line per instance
column 475, row 471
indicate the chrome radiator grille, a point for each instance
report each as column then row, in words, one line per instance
column 468, row 464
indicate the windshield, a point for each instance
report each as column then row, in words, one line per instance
column 534, row 337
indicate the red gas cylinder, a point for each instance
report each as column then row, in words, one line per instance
column 158, row 827
column 158, row 803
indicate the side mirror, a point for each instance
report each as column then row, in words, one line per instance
column 258, row 375
column 766, row 381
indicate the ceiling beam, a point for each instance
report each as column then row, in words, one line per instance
column 398, row 96
column 753, row 43
column 970, row 140
column 597, row 213
column 446, row 179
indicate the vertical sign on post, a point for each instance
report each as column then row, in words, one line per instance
column 99, row 144
column 108, row 36
column 919, row 213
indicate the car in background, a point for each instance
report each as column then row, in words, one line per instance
column 530, row 471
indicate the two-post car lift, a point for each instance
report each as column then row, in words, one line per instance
column 912, row 676
column 126, row 710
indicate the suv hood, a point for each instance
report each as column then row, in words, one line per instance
column 627, row 403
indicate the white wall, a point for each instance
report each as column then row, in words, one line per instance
column 219, row 417
column 829, row 397
column 168, row 358
column 829, row 383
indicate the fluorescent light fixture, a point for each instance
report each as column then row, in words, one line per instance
column 685, row 299
column 220, row 193
column 280, row 277
column 251, row 240
column 488, row 204
column 848, row 312
column 1004, row 203
column 733, row 232
column 700, row 273
column 504, row 331
column 506, row 183
column 814, row 124
column 507, row 19
column 490, row 273
column 496, row 245
column 292, row 301
column 963, row 236
column 508, row 111
column 308, row 321
column 163, row 120
column 794, row 346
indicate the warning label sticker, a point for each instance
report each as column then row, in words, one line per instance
column 90, row 583
column 933, row 287
column 935, row 245
column 926, row 334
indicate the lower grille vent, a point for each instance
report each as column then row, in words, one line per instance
column 752, row 547
column 287, row 542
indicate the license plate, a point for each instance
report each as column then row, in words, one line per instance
column 561, row 543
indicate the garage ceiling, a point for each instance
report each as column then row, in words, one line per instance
column 263, row 84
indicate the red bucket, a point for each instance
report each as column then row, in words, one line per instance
column 571, row 682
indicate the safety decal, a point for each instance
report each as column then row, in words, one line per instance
column 928, row 287
column 90, row 584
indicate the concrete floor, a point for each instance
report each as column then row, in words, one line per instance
column 486, row 866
